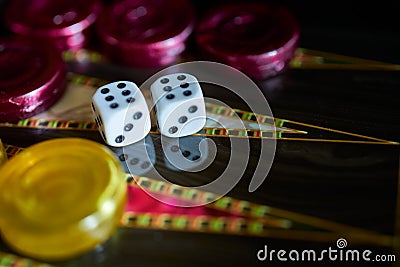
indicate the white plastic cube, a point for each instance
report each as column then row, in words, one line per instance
column 121, row 113
column 179, row 102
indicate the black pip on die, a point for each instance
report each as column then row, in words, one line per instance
column 179, row 102
column 121, row 113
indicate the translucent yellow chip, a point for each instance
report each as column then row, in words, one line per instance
column 61, row 198
column 3, row 155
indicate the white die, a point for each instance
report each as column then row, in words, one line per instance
column 179, row 103
column 121, row 113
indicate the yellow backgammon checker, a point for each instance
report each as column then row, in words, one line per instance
column 60, row 198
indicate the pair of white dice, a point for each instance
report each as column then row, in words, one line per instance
column 123, row 117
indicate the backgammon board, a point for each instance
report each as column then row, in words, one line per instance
column 333, row 182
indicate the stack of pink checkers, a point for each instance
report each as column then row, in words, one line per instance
column 32, row 77
column 258, row 39
column 122, row 114
column 143, row 33
column 67, row 24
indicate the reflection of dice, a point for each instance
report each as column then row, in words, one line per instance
column 184, row 153
column 121, row 113
column 137, row 158
column 179, row 103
